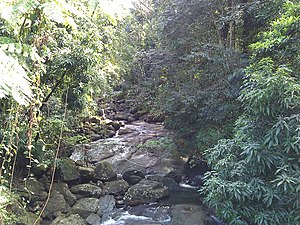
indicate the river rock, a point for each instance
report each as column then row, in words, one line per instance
column 140, row 113
column 188, row 214
column 106, row 204
column 122, row 116
column 120, row 203
column 68, row 170
column 146, row 191
column 86, row 190
column 93, row 219
column 73, row 219
column 116, row 187
column 105, row 172
column 131, row 119
column 125, row 130
column 154, row 211
column 176, row 176
column 56, row 204
column 65, row 191
column 167, row 181
column 133, row 176
column 34, row 186
column 85, row 206
column 115, row 124
column 86, row 173
column 109, row 133
column 95, row 137
column 35, row 190
column 28, row 219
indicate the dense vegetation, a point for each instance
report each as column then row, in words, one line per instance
column 223, row 73
column 259, row 167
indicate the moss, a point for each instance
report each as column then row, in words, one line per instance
column 68, row 170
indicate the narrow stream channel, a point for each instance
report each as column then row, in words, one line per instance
column 126, row 151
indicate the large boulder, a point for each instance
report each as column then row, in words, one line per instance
column 105, row 172
column 73, row 219
column 86, row 190
column 166, row 181
column 116, row 187
column 67, row 170
column 56, row 205
column 146, row 191
column 65, row 191
column 133, row 176
column 85, row 206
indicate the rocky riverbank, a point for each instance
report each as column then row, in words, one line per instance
column 132, row 177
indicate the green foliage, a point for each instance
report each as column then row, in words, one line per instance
column 255, row 175
column 53, row 54
column 194, row 67
column 163, row 142
column 6, row 199
column 207, row 137
column 71, row 53
column 13, row 79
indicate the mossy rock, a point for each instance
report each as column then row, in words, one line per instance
column 68, row 170
column 28, row 218
column 105, row 172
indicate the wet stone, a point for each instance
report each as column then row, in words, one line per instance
column 146, row 191
column 67, row 170
column 85, row 206
column 188, row 214
column 86, row 173
column 86, row 190
column 73, row 219
column 133, row 176
column 105, row 172
column 56, row 204
column 116, row 187
column 106, row 204
column 65, row 191
column 93, row 219
column 167, row 181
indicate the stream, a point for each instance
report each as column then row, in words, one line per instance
column 130, row 149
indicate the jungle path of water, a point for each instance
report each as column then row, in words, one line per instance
column 129, row 149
